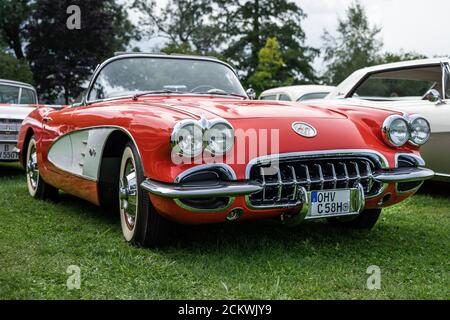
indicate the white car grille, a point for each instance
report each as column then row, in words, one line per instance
column 9, row 130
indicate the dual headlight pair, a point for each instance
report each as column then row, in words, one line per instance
column 191, row 138
column 398, row 130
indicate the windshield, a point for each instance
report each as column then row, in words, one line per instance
column 10, row 94
column 129, row 76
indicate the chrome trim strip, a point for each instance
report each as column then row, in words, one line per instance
column 404, row 175
column 191, row 190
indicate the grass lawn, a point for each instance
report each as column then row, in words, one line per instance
column 255, row 260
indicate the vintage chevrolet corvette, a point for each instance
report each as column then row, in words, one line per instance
column 163, row 139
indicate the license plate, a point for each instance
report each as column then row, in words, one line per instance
column 7, row 152
column 330, row 203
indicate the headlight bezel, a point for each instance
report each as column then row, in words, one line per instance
column 211, row 124
column 411, row 120
column 387, row 130
column 175, row 135
column 205, row 126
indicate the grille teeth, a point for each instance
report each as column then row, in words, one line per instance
column 281, row 187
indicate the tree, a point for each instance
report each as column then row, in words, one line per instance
column 62, row 59
column 234, row 31
column 270, row 64
column 13, row 17
column 355, row 46
column 390, row 57
column 183, row 23
column 12, row 68
column 247, row 23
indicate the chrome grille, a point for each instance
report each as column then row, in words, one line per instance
column 282, row 182
column 9, row 129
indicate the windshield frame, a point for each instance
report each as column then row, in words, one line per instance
column 100, row 68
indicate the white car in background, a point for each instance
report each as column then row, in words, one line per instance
column 413, row 87
column 17, row 100
column 296, row 93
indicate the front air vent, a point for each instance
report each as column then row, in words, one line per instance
column 212, row 176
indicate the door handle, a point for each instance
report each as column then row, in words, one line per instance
column 47, row 119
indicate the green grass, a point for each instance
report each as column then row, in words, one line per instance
column 254, row 260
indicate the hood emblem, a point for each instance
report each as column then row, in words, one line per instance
column 304, row 129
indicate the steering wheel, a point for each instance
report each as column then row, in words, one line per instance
column 204, row 88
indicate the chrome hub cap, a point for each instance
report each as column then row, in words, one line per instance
column 32, row 168
column 128, row 194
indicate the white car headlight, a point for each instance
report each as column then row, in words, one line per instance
column 219, row 137
column 420, row 130
column 187, row 138
column 396, row 130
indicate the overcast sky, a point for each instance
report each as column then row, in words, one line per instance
column 408, row 25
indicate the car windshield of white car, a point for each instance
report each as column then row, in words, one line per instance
column 400, row 84
column 9, row 94
column 148, row 75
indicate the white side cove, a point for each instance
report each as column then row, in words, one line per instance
column 80, row 152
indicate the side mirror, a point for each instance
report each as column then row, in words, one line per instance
column 433, row 95
column 251, row 93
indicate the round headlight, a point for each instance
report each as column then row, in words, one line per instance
column 219, row 138
column 420, row 130
column 396, row 130
column 187, row 138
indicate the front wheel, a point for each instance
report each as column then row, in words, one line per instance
column 141, row 224
column 365, row 220
column 37, row 187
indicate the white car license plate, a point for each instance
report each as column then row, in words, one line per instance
column 329, row 203
column 7, row 152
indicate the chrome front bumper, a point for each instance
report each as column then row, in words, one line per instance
column 243, row 188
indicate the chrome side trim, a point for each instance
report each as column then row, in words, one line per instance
column 191, row 190
column 85, row 144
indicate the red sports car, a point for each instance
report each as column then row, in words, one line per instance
column 165, row 139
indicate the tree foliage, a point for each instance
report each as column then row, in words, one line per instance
column 185, row 24
column 13, row 17
column 12, row 68
column 356, row 45
column 270, row 64
column 62, row 59
column 247, row 24
column 390, row 57
column 233, row 30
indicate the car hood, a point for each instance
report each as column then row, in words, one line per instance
column 15, row 111
column 243, row 109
